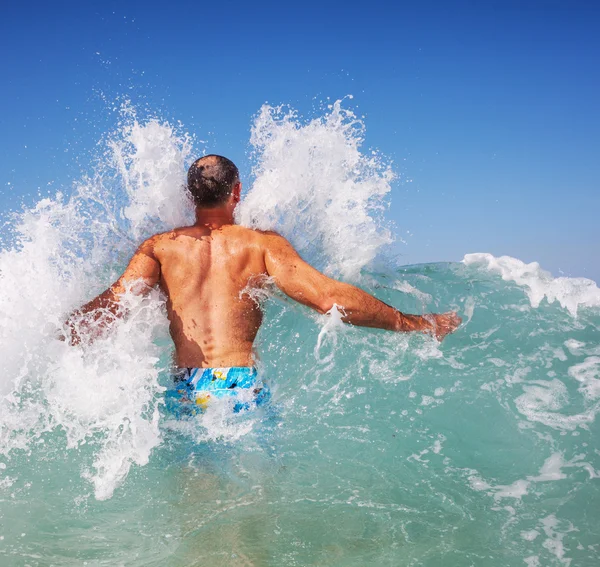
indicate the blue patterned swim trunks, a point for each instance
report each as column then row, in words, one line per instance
column 194, row 388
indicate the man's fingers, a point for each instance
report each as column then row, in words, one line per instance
column 453, row 318
column 446, row 324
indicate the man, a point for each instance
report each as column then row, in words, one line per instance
column 206, row 271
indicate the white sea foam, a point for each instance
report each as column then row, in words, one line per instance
column 551, row 470
column 332, row 324
column 315, row 186
column 66, row 250
column 541, row 401
column 151, row 160
column 575, row 347
column 405, row 287
column 554, row 538
column 587, row 373
column 530, row 535
column 553, row 465
column 571, row 293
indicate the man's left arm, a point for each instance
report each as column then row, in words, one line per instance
column 143, row 269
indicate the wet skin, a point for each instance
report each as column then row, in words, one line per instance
column 208, row 272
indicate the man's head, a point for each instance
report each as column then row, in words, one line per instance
column 212, row 180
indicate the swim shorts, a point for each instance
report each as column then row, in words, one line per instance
column 194, row 388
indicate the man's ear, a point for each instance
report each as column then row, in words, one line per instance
column 237, row 192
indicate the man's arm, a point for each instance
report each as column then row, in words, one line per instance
column 305, row 284
column 105, row 308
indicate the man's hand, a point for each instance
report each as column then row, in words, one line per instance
column 437, row 325
column 445, row 324
column 93, row 319
column 143, row 272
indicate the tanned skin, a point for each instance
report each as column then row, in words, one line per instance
column 205, row 270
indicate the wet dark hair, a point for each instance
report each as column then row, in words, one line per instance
column 210, row 180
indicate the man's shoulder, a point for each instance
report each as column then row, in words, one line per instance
column 159, row 242
column 171, row 235
column 265, row 235
column 232, row 233
column 267, row 239
column 253, row 234
column 159, row 237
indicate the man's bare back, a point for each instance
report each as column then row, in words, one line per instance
column 208, row 276
column 208, row 271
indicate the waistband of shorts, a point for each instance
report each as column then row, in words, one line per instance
column 216, row 378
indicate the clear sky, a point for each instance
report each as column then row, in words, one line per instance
column 490, row 110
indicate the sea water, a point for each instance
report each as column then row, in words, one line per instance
column 377, row 448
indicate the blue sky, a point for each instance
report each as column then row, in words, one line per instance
column 490, row 109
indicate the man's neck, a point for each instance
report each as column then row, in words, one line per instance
column 214, row 218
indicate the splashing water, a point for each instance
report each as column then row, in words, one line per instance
column 377, row 448
column 309, row 177
column 67, row 250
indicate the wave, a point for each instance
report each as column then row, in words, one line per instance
column 571, row 293
column 496, row 424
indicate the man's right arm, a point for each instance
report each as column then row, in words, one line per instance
column 143, row 269
column 305, row 284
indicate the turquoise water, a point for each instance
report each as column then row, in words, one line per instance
column 377, row 448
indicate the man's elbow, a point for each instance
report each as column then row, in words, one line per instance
column 325, row 304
